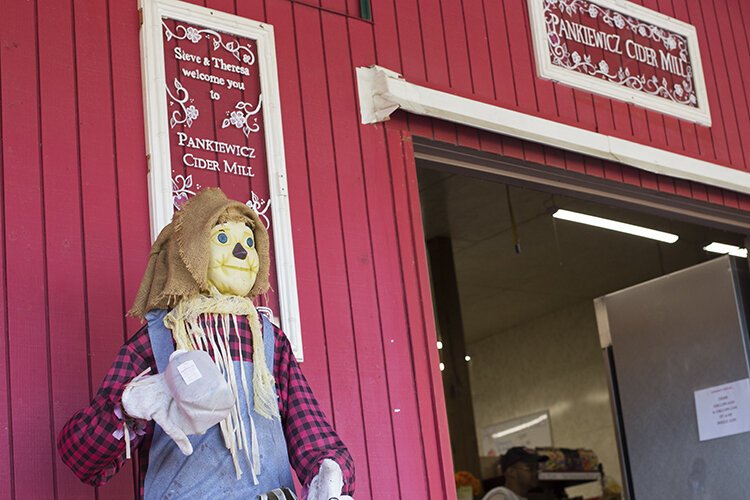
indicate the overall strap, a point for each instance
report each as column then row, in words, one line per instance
column 161, row 338
column 269, row 341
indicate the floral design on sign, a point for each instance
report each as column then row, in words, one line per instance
column 186, row 114
column 242, row 53
column 241, row 115
column 260, row 206
column 181, row 185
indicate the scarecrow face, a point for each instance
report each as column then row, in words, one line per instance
column 234, row 261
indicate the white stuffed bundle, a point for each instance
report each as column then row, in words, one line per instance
column 189, row 398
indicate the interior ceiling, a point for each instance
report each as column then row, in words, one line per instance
column 561, row 263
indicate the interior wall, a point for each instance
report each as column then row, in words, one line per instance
column 568, row 380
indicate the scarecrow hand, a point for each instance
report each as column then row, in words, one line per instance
column 190, row 397
column 328, row 483
column 148, row 398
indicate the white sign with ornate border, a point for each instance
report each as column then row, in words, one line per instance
column 167, row 192
column 621, row 50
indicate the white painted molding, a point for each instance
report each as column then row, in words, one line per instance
column 382, row 91
column 157, row 136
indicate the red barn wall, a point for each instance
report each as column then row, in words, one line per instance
column 74, row 210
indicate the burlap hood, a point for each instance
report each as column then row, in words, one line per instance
column 178, row 263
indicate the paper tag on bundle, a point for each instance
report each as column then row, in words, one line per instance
column 189, row 372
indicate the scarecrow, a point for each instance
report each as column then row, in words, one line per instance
column 208, row 390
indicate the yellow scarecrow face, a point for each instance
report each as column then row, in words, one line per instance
column 234, row 261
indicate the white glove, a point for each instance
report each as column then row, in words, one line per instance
column 190, row 397
column 328, row 483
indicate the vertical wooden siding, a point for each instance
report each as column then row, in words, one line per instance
column 72, row 183
column 474, row 42
column 74, row 211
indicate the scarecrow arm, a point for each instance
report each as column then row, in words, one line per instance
column 89, row 442
column 309, row 436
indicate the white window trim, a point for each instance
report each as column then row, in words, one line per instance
column 545, row 69
column 382, row 91
column 157, row 135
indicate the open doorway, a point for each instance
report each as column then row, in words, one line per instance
column 523, row 366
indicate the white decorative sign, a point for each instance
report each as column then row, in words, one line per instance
column 623, row 51
column 213, row 120
column 723, row 410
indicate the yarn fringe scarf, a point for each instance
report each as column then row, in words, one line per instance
column 210, row 321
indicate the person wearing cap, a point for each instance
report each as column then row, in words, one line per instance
column 520, row 468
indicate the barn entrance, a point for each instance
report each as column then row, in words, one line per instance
column 514, row 276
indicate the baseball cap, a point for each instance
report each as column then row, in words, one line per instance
column 520, row 454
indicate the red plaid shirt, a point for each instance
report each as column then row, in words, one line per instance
column 87, row 443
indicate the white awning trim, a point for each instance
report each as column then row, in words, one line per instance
column 382, row 91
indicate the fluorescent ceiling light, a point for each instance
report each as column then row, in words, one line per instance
column 519, row 427
column 723, row 248
column 442, row 366
column 615, row 226
column 440, row 344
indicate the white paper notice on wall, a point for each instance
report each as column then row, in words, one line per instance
column 723, row 410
